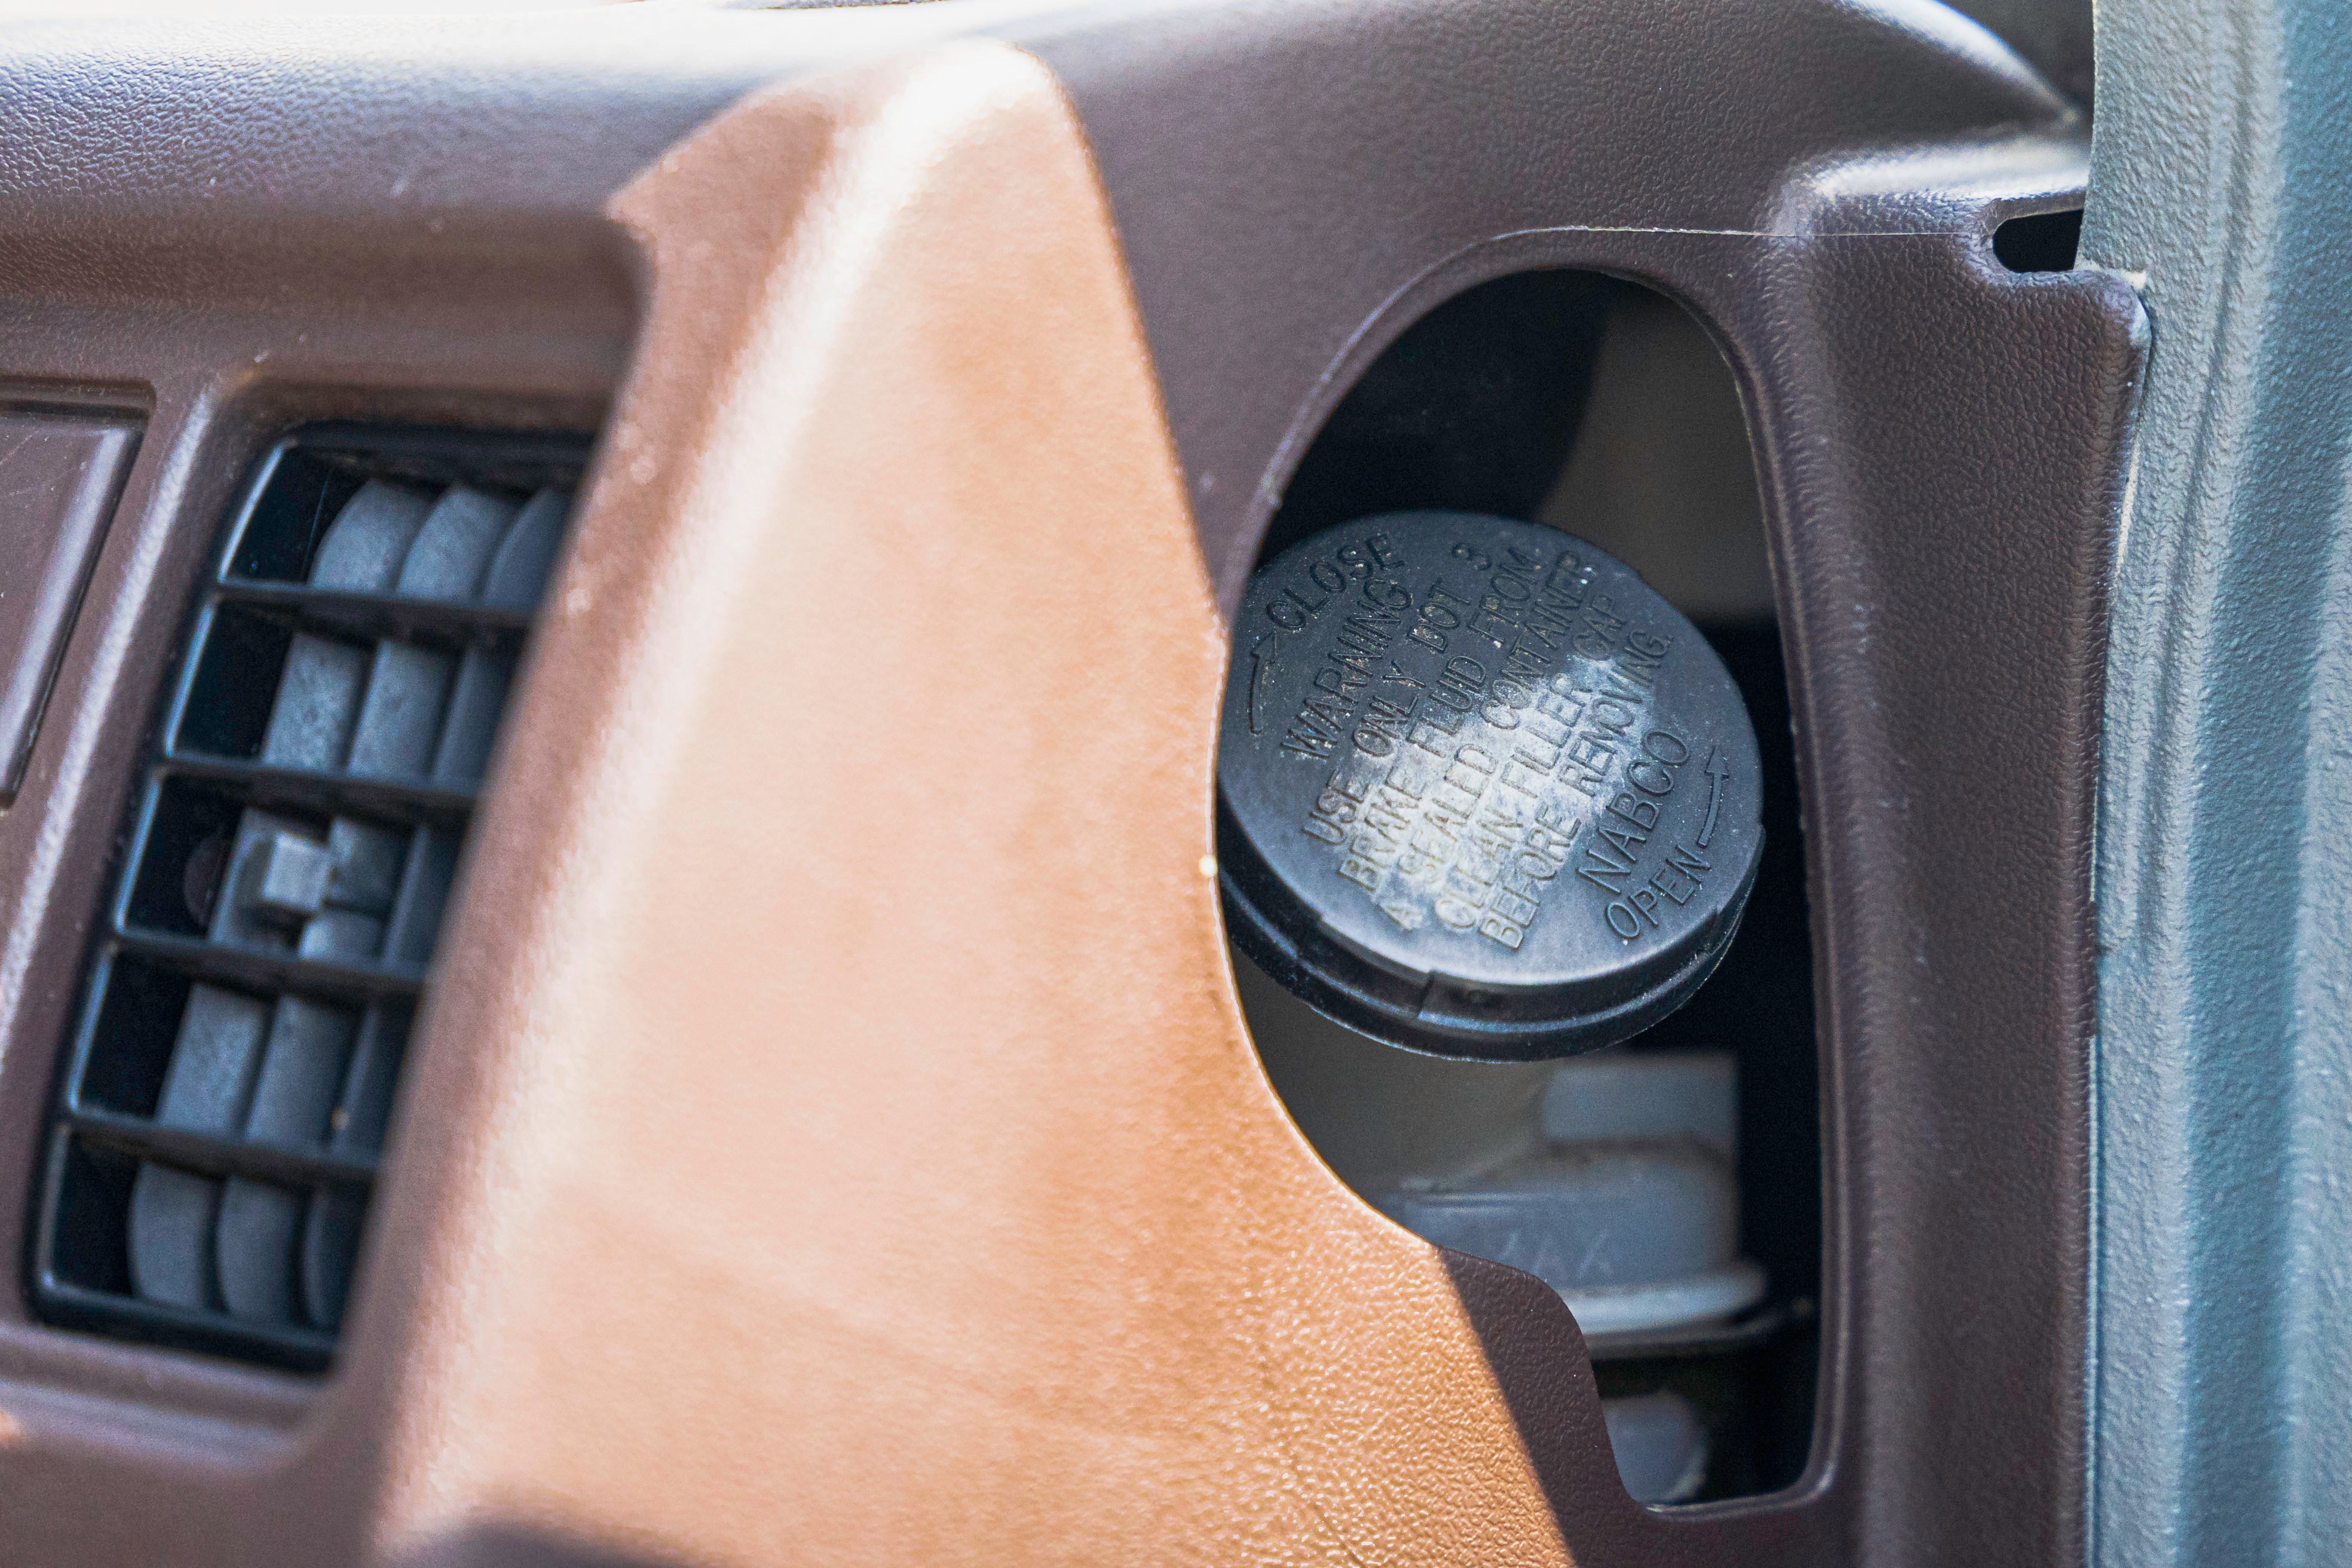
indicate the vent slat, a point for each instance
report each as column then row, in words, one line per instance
column 292, row 1345
column 376, row 615
column 280, row 971
column 410, row 800
column 208, row 1155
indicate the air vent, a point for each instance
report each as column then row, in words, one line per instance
column 225, row 1101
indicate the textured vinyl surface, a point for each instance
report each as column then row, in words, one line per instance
column 891, row 375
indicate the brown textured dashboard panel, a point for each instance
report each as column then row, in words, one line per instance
column 870, row 1163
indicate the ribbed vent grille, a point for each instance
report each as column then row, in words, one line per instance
column 225, row 1097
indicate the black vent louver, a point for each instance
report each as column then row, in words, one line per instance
column 224, row 1100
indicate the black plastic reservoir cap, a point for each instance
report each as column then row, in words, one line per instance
column 1484, row 792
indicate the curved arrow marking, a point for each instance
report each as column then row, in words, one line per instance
column 1718, row 776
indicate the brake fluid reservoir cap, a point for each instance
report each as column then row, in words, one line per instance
column 1484, row 793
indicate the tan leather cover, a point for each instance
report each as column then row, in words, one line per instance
column 860, row 1156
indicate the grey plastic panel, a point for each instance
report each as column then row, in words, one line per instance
column 2222, row 1393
